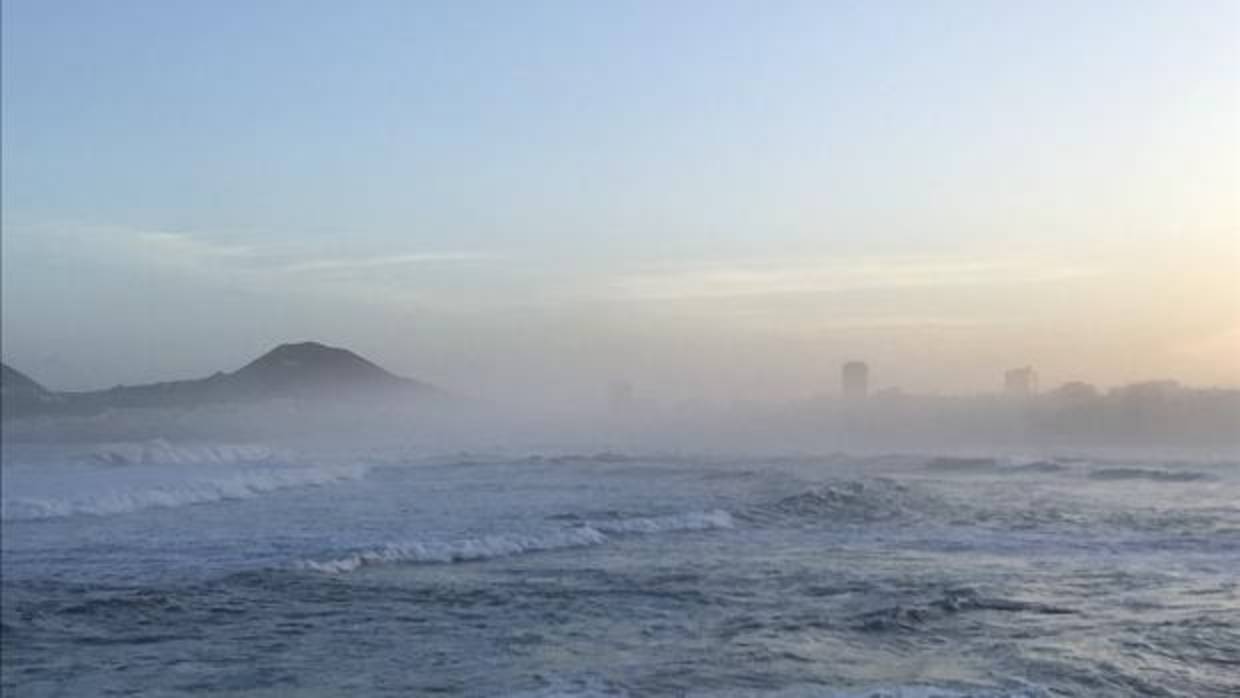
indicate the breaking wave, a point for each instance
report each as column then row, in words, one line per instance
column 851, row 501
column 1148, row 474
column 880, row 501
column 950, row 602
column 508, row 545
column 1010, row 465
column 693, row 521
column 994, row 465
column 241, row 485
column 161, row 452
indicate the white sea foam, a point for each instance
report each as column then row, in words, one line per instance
column 243, row 484
column 483, row 548
column 161, row 452
column 692, row 521
column 507, row 545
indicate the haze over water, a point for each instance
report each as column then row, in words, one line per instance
column 620, row 349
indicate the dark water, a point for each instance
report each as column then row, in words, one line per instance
column 832, row 576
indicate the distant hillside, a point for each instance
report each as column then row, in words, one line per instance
column 20, row 394
column 310, row 367
column 305, row 371
column 14, row 382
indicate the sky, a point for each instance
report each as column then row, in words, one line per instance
column 711, row 200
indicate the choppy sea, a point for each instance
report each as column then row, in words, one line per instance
column 242, row 570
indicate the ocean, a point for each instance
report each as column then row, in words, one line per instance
column 165, row 569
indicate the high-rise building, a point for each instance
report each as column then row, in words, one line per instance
column 855, row 380
column 1020, row 382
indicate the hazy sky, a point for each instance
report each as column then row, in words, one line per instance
column 712, row 199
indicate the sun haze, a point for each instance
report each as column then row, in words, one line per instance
column 714, row 202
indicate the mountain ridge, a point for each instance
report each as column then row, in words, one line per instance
column 21, row 394
column 306, row 370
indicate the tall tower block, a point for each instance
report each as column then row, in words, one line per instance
column 855, row 380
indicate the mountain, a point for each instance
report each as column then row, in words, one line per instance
column 14, row 382
column 307, row 368
column 20, row 394
column 302, row 371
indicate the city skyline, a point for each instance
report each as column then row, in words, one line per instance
column 855, row 384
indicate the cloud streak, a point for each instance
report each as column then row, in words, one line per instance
column 739, row 279
column 187, row 246
column 345, row 264
column 186, row 249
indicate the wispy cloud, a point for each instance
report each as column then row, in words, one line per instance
column 188, row 246
column 339, row 264
column 279, row 265
column 732, row 279
column 276, row 258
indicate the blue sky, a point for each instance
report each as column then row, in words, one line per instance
column 502, row 195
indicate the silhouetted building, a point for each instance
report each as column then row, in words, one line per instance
column 855, row 380
column 1020, row 382
column 1074, row 393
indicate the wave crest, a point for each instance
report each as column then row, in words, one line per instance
column 851, row 501
column 950, row 602
column 1152, row 474
column 508, row 545
column 161, row 452
column 241, row 485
